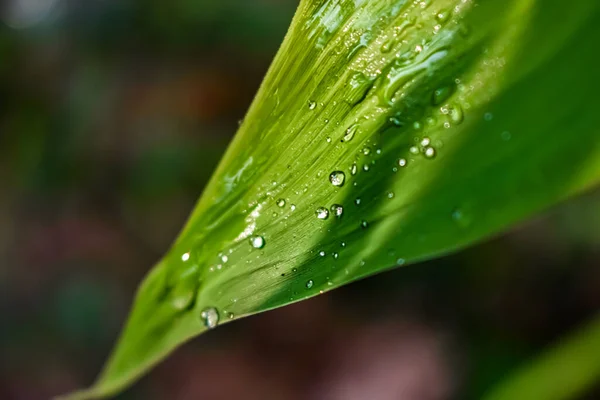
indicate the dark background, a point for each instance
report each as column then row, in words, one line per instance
column 113, row 114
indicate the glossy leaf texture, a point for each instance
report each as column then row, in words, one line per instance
column 385, row 132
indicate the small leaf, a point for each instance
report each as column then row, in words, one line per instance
column 385, row 132
column 565, row 371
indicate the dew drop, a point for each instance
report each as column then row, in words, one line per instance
column 337, row 178
column 429, row 152
column 425, row 142
column 390, row 195
column 312, row 105
column 353, row 169
column 506, row 136
column 414, row 150
column 310, row 283
column 293, row 207
column 357, row 201
column 335, row 255
column 364, row 224
column 185, row 256
column 456, row 114
column 322, row 253
column 281, row 203
column 442, row 16
column 224, row 258
column 328, row 139
column 350, row 132
column 337, row 210
column 210, row 317
column 366, row 151
column 182, row 296
column 400, row 261
column 366, row 167
column 488, row 116
column 258, row 242
column 402, row 162
column 322, row 213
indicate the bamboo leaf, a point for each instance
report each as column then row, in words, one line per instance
column 385, row 132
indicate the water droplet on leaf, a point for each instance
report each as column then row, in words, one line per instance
column 350, row 132
column 258, row 242
column 322, row 213
column 337, row 178
column 337, row 210
column 429, row 152
column 210, row 316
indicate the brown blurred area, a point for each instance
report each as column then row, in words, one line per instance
column 113, row 114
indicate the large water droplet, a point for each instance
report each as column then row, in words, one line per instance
column 210, row 317
column 429, row 152
column 182, row 295
column 456, row 114
column 258, row 242
column 350, row 132
column 337, row 178
column 322, row 213
column 337, row 210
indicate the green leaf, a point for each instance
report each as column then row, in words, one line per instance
column 564, row 371
column 425, row 125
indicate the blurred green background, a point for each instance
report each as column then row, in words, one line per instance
column 113, row 115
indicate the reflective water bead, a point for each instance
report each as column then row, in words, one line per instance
column 258, row 242
column 322, row 213
column 429, row 152
column 210, row 317
column 337, row 210
column 337, row 178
